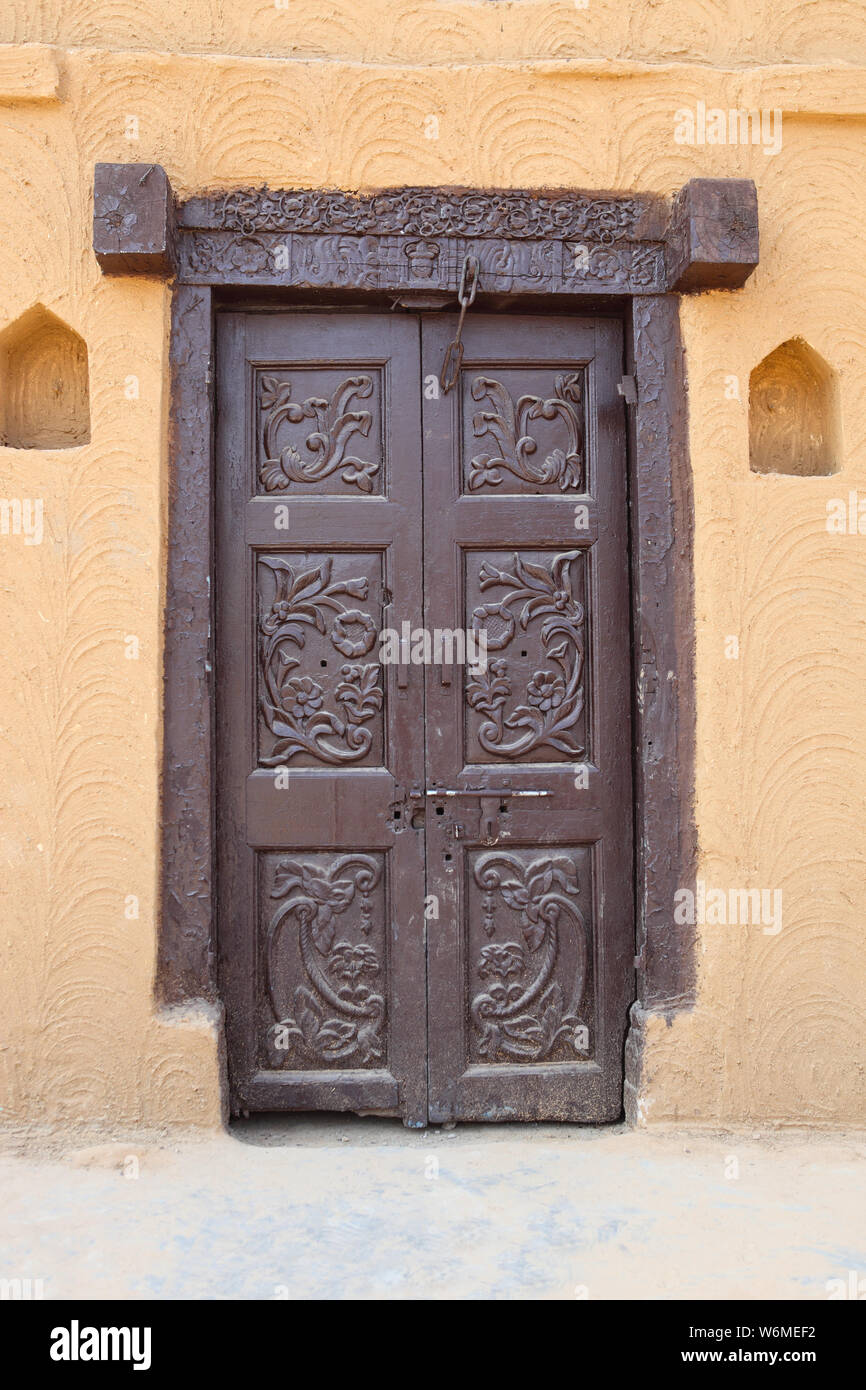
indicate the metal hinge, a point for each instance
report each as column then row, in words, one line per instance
column 627, row 388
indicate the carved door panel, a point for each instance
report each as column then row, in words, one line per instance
column 529, row 762
column 318, row 745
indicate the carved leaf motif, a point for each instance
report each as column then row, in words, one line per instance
column 511, row 427
column 295, row 707
column 328, row 442
column 553, row 702
column 338, row 1014
column 425, row 212
column 521, row 1012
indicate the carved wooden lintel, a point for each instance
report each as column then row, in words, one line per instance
column 413, row 240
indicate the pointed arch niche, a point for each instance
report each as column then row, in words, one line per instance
column 44, row 386
column 794, row 413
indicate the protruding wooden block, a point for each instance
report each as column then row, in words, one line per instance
column 712, row 241
column 133, row 219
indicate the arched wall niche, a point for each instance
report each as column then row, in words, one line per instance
column 794, row 413
column 44, row 383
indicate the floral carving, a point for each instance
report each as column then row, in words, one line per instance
column 428, row 212
column 214, row 256
column 511, row 427
column 353, row 632
column 554, row 698
column 335, row 426
column 293, row 706
column 522, row 1013
column 338, row 1014
column 646, row 266
column 118, row 217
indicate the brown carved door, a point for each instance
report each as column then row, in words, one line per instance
column 425, row 870
column 530, row 964
column 321, row 873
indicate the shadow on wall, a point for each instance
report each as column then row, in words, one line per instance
column 44, row 388
column 794, row 421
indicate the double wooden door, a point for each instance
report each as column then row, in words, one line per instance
column 425, row 863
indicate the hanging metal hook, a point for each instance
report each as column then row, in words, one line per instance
column 453, row 359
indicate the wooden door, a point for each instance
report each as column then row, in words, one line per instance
column 530, row 965
column 425, row 871
column 321, row 871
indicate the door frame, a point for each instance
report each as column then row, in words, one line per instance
column 630, row 255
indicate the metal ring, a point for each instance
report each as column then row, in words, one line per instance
column 451, row 366
column 470, row 273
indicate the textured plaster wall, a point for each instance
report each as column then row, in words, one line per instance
column 338, row 94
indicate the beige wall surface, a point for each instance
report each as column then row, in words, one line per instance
column 525, row 94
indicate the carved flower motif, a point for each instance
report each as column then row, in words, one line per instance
column 278, row 615
column 359, row 692
column 350, row 962
column 561, row 214
column 546, row 690
column 306, row 696
column 516, row 220
column 499, row 623
column 249, row 256
column 473, row 212
column 488, row 690
column 605, row 265
column 353, row 632
column 500, row 961
column 117, row 219
column 274, row 392
column 608, row 219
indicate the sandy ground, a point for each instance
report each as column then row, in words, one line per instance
column 340, row 1207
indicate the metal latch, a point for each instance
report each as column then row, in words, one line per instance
column 453, row 359
column 490, row 802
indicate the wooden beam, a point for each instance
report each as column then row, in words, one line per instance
column 133, row 220
column 712, row 237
